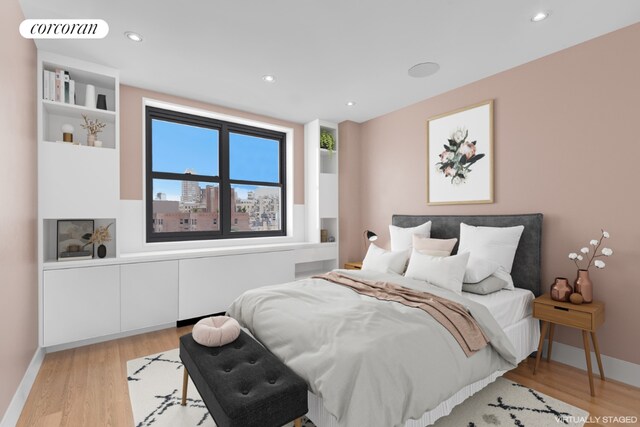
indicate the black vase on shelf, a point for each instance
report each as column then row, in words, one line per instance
column 102, row 251
column 102, row 102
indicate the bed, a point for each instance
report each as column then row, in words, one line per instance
column 366, row 361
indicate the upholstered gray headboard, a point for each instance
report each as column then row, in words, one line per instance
column 526, row 265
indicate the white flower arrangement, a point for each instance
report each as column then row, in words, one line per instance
column 605, row 252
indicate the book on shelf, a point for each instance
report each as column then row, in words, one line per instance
column 52, row 86
column 72, row 92
column 45, row 85
column 59, row 85
column 67, row 98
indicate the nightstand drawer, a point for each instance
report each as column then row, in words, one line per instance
column 563, row 316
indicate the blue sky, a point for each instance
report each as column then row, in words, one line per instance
column 177, row 147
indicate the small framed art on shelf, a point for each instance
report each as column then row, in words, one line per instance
column 73, row 239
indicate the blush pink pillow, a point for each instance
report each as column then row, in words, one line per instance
column 433, row 247
column 216, row 331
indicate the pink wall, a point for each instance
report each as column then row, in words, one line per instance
column 565, row 145
column 349, row 149
column 18, row 226
column 131, row 138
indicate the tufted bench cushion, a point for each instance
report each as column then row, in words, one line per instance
column 243, row 384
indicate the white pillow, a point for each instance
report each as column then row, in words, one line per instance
column 382, row 261
column 402, row 238
column 495, row 244
column 444, row 272
column 479, row 269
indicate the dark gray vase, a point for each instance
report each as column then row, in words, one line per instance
column 102, row 251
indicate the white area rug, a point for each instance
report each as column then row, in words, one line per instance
column 155, row 388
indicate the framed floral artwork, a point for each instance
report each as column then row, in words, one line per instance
column 460, row 156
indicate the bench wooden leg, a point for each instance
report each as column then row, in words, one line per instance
column 297, row 422
column 185, row 383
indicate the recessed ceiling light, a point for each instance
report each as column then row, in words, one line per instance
column 424, row 69
column 135, row 37
column 269, row 78
column 540, row 16
column 350, row 103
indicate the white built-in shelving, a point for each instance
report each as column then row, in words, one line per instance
column 77, row 182
column 321, row 195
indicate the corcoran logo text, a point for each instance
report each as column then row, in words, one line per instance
column 64, row 29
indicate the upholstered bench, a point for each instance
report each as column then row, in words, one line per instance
column 243, row 384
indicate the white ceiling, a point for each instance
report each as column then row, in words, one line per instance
column 324, row 52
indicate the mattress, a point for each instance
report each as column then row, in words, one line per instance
column 507, row 306
column 523, row 334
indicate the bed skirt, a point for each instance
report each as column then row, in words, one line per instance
column 524, row 335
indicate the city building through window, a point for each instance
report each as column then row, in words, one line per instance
column 212, row 179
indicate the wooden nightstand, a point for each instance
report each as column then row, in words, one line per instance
column 353, row 265
column 586, row 317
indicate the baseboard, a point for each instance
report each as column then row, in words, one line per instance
column 615, row 369
column 11, row 416
column 82, row 343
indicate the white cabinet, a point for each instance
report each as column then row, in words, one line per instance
column 149, row 294
column 81, row 303
column 209, row 285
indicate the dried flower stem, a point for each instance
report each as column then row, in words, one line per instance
column 92, row 126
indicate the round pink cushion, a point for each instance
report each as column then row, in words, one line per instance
column 216, row 331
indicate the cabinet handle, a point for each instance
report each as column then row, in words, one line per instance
column 560, row 308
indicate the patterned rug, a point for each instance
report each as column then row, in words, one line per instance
column 155, row 389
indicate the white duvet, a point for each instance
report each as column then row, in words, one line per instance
column 374, row 363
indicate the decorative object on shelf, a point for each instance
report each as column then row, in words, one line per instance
column 463, row 172
column 97, row 143
column 90, row 96
column 561, row 290
column 327, row 140
column 93, row 127
column 324, row 235
column 576, row 298
column 583, row 284
column 331, row 239
column 99, row 237
column 67, row 133
column 101, row 104
column 73, row 237
column 369, row 236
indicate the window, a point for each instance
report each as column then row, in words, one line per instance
column 212, row 179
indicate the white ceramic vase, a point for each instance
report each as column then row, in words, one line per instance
column 90, row 96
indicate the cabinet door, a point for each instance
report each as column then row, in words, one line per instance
column 209, row 285
column 149, row 294
column 81, row 303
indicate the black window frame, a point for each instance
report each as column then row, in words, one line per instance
column 223, row 179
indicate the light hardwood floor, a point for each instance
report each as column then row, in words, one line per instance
column 87, row 386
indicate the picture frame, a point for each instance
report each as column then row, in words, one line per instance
column 72, row 239
column 460, row 156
